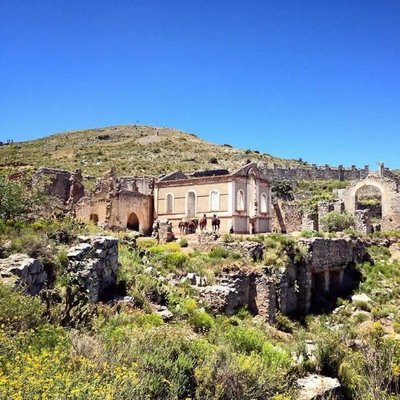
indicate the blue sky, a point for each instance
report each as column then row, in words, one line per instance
column 313, row 79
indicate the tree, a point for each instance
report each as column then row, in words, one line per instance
column 17, row 199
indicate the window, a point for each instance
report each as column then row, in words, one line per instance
column 264, row 203
column 240, row 200
column 169, row 203
column 191, row 204
column 214, row 200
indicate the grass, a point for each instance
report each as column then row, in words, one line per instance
column 126, row 352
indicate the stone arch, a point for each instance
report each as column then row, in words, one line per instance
column 133, row 222
column 389, row 199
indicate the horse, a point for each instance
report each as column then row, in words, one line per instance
column 188, row 226
column 203, row 222
column 215, row 223
column 192, row 225
column 182, row 226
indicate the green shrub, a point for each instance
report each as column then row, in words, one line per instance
column 18, row 311
column 160, row 248
column 183, row 242
column 145, row 243
column 310, row 234
column 201, row 321
column 337, row 222
column 221, row 252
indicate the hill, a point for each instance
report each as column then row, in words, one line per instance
column 133, row 149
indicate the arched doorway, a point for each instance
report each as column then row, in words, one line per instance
column 133, row 222
column 191, row 204
column 94, row 218
column 370, row 197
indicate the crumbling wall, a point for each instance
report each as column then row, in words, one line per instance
column 291, row 289
column 362, row 221
column 286, row 216
column 66, row 186
column 95, row 263
column 115, row 199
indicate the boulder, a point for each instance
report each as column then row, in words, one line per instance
column 314, row 387
column 20, row 270
column 361, row 298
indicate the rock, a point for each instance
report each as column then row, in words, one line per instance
column 248, row 249
column 148, row 270
column 163, row 312
column 313, row 387
column 361, row 298
column 194, row 279
column 20, row 270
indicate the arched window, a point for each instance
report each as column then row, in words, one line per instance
column 214, row 200
column 240, row 200
column 169, row 203
column 191, row 204
column 263, row 203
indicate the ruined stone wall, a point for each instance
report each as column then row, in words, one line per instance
column 67, row 186
column 143, row 185
column 292, row 289
column 362, row 221
column 126, row 203
column 286, row 217
column 115, row 200
column 314, row 172
column 95, row 261
column 309, row 221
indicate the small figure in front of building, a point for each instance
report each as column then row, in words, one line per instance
column 203, row 222
column 252, row 226
column 215, row 223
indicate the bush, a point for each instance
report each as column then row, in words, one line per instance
column 17, row 311
column 201, row 321
column 145, row 243
column 310, row 234
column 221, row 252
column 337, row 222
column 183, row 242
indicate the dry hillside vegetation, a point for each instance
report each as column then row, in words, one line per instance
column 133, row 149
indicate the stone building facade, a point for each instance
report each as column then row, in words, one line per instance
column 241, row 200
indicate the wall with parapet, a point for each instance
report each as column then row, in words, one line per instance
column 314, row 172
